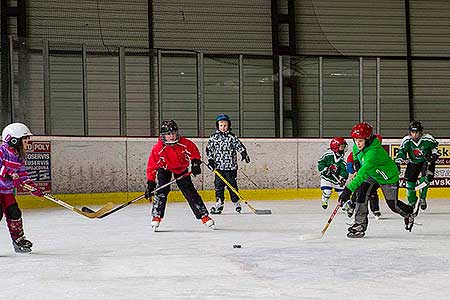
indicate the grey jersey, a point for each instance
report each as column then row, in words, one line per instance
column 223, row 148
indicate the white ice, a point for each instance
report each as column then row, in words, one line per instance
column 119, row 257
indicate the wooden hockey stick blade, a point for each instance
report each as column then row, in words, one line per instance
column 311, row 236
column 254, row 210
column 258, row 211
column 315, row 236
column 86, row 211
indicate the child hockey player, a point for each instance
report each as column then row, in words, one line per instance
column 171, row 155
column 13, row 173
column 420, row 152
column 332, row 168
column 221, row 151
column 377, row 169
column 353, row 167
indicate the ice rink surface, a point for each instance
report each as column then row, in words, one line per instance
column 119, row 257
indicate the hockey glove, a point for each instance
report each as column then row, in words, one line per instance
column 349, row 167
column 37, row 191
column 342, row 181
column 332, row 170
column 433, row 158
column 195, row 167
column 344, row 196
column 15, row 178
column 151, row 186
column 244, row 156
column 211, row 164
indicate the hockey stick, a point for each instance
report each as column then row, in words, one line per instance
column 91, row 214
column 315, row 236
column 254, row 210
column 107, row 213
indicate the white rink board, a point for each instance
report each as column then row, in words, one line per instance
column 120, row 258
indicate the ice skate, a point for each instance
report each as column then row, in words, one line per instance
column 356, row 231
column 208, row 222
column 22, row 245
column 325, row 204
column 238, row 207
column 377, row 214
column 409, row 222
column 217, row 208
column 423, row 203
column 155, row 223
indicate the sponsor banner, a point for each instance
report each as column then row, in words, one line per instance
column 442, row 173
column 38, row 163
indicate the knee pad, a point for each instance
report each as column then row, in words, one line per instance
column 13, row 212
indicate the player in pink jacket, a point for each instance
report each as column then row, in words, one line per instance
column 13, row 173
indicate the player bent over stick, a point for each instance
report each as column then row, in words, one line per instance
column 171, row 155
column 377, row 169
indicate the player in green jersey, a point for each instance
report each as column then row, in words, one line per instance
column 377, row 170
column 419, row 151
column 332, row 168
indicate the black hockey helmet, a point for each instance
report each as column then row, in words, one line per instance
column 416, row 126
column 223, row 117
column 168, row 127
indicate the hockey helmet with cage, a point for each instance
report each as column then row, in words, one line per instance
column 169, row 127
column 362, row 131
column 13, row 134
column 223, row 117
column 416, row 126
column 335, row 145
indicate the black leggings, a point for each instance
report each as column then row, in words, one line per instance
column 188, row 190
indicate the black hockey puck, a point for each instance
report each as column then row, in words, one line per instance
column 237, row 246
column 86, row 209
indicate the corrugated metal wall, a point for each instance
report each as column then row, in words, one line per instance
column 214, row 26
column 343, row 29
column 350, row 27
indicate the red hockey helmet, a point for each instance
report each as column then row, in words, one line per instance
column 362, row 131
column 336, row 143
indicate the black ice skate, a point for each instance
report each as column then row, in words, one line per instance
column 22, row 245
column 217, row 208
column 356, row 231
column 423, row 204
column 409, row 222
column 238, row 207
column 377, row 214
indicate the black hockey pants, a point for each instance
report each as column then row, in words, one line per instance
column 219, row 185
column 187, row 189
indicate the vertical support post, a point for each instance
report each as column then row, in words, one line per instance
column 85, row 90
column 122, row 93
column 200, row 96
column 280, row 95
column 361, row 89
column 321, row 97
column 378, row 94
column 160, row 100
column 241, row 95
column 47, row 91
column 11, row 79
column 150, row 67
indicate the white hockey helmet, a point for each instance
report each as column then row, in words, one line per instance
column 14, row 132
